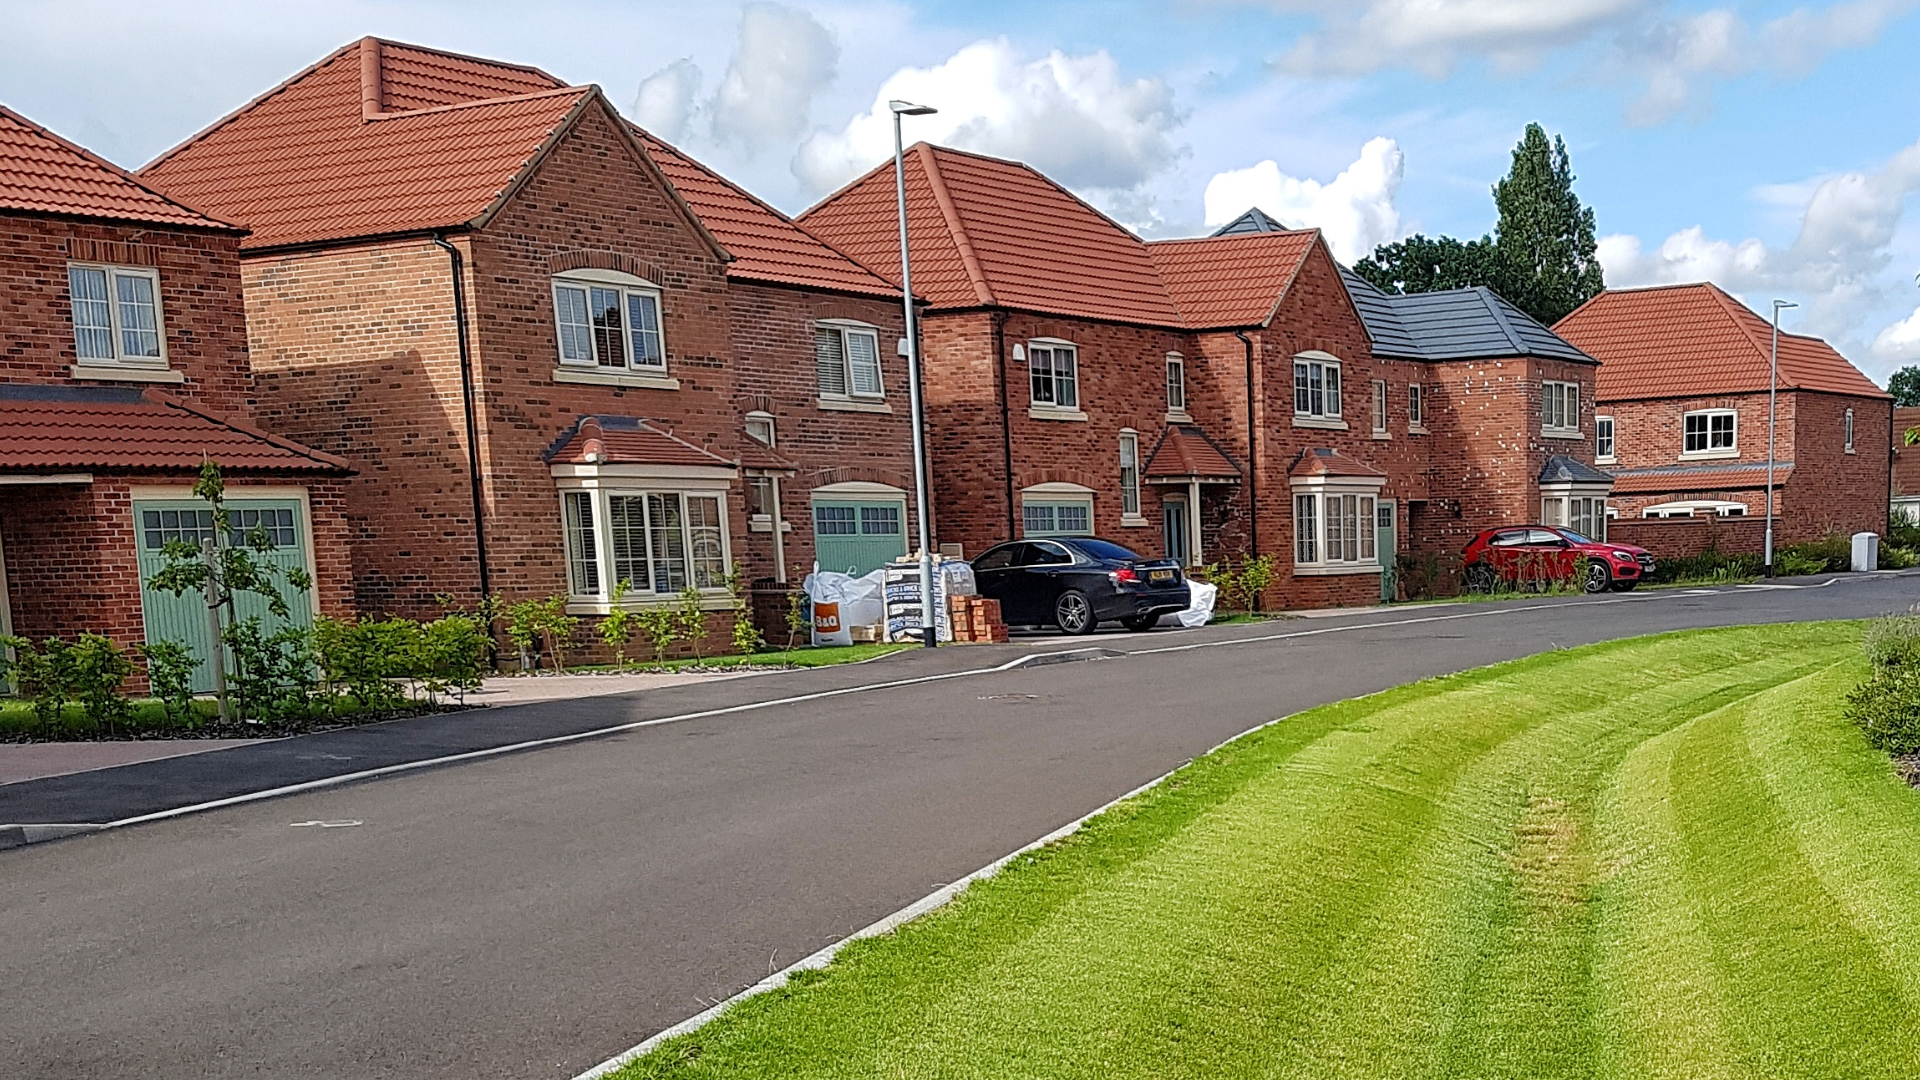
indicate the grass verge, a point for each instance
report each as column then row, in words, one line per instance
column 1664, row 857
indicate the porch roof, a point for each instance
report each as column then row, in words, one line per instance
column 1186, row 452
column 627, row 440
column 1691, row 478
column 53, row 427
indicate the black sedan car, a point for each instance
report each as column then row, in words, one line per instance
column 1077, row 583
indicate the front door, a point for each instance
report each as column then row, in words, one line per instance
column 858, row 536
column 1173, row 513
column 184, row 618
column 1389, row 562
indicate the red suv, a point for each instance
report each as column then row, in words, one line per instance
column 1532, row 556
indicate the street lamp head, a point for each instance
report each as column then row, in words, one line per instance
column 908, row 108
column 1779, row 304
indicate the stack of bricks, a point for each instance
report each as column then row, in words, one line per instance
column 976, row 618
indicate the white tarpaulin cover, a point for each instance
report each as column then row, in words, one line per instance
column 1200, row 597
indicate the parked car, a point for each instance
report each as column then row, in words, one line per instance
column 1077, row 583
column 1528, row 555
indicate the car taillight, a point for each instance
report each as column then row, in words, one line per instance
column 1125, row 576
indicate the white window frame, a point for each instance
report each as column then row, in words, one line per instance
column 1584, row 512
column 1708, row 450
column 628, row 288
column 1057, row 379
column 1848, row 420
column 116, row 328
column 1057, row 494
column 1130, row 512
column 1323, row 507
column 1380, row 410
column 1316, row 402
column 1559, row 409
column 849, row 375
column 1692, row 508
column 1176, row 386
column 1605, row 450
column 1416, row 409
column 599, row 563
column 762, row 419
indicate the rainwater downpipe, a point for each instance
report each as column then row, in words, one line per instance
column 469, row 408
column 1253, row 454
column 1006, row 421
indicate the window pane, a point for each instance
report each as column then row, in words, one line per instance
column 1066, row 378
column 880, row 520
column 644, row 312
column 139, row 318
column 609, row 332
column 1301, row 400
column 1073, row 519
column 759, row 496
column 1603, row 436
column 863, row 355
column 760, row 430
column 1366, row 529
column 92, row 321
column 1379, row 405
column 1037, row 518
column 667, row 544
column 1317, row 389
column 1720, row 431
column 707, row 552
column 1336, row 529
column 582, row 556
column 627, row 528
column 1176, row 385
column 576, row 331
column 1333, row 389
column 1414, row 415
column 1129, row 475
column 830, row 362
column 833, row 521
column 1040, row 369
column 1306, row 530
column 1349, row 508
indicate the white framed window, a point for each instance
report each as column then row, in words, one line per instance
column 1056, row 509
column 847, row 361
column 116, row 315
column 1695, row 508
column 1603, row 440
column 1416, row 407
column 1849, row 431
column 658, row 541
column 760, row 428
column 1560, row 408
column 607, row 320
column 1335, row 530
column 1129, row 475
column 1316, row 387
column 1176, row 383
column 1053, row 370
column 1584, row 514
column 1709, row 433
column 1379, row 406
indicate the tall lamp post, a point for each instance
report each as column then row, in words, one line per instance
column 929, row 631
column 1773, row 385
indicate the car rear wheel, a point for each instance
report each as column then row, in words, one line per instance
column 1599, row 578
column 1073, row 614
column 1140, row 623
column 1480, row 578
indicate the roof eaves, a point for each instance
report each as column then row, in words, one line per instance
column 929, row 164
column 52, row 136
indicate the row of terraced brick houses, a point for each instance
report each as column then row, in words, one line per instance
column 457, row 328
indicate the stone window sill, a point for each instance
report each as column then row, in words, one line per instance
column 1605, row 460
column 766, row 526
column 1416, row 429
column 1040, row 412
column 1383, row 436
column 1132, row 521
column 118, row 373
column 836, row 404
column 1560, row 433
column 603, row 377
column 1324, row 423
column 1709, row 455
column 1331, row 569
column 1179, row 416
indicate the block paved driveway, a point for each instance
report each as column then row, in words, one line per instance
column 532, row 914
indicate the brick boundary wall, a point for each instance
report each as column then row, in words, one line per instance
column 1679, row 538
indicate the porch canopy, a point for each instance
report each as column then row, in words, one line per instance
column 1187, row 456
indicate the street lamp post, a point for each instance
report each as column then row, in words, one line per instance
column 1773, row 385
column 929, row 631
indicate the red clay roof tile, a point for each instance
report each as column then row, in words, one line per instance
column 627, row 440
column 42, row 428
column 1693, row 340
column 1232, row 280
column 42, row 173
column 1690, row 478
column 1321, row 461
column 1185, row 452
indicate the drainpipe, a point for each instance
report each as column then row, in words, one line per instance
column 468, row 407
column 1253, row 454
column 1006, row 421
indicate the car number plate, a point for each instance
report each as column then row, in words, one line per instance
column 1160, row 577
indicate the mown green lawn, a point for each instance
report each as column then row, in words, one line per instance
column 1665, row 857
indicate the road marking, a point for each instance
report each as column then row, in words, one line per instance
column 347, row 824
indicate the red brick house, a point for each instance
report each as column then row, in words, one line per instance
column 1682, row 415
column 1209, row 398
column 1904, row 498
column 125, row 367
column 560, row 353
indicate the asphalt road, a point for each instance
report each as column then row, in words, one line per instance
column 533, row 914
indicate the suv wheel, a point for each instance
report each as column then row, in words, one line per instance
column 1599, row 578
column 1073, row 614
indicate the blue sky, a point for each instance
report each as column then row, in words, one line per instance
column 1772, row 147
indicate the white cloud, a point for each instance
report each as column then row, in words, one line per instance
column 1433, row 36
column 1355, row 209
column 1837, row 264
column 668, row 99
column 1076, row 118
column 784, row 58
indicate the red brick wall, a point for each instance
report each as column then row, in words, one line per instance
column 1678, row 538
column 1831, row 490
column 201, row 310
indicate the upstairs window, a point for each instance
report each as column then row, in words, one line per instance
column 847, row 361
column 760, row 428
column 608, row 320
column 1416, row 407
column 1176, row 383
column 1379, row 407
column 1560, row 407
column 1054, row 371
column 1129, row 474
column 1603, row 438
column 1316, row 388
column 116, row 315
column 1709, row 432
column 1849, row 431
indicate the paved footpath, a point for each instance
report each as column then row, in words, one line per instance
column 531, row 914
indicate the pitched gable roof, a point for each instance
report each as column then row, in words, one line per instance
column 1186, row 451
column 988, row 232
column 42, row 173
column 1453, row 324
column 1690, row 340
column 1232, row 279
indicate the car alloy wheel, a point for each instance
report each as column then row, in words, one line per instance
column 1599, row 578
column 1073, row 614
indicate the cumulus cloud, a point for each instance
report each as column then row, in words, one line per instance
column 782, row 60
column 1355, row 210
column 1432, row 36
column 1076, row 118
column 1837, row 264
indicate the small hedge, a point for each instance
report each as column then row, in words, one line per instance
column 1887, row 705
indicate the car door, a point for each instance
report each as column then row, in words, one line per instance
column 1043, row 577
column 1504, row 551
column 1551, row 555
column 999, row 575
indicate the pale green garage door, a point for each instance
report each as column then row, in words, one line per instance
column 858, row 536
column 184, row 618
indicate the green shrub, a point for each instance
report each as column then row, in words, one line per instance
column 1708, row 567
column 690, row 621
column 1829, row 554
column 366, row 656
column 273, row 674
column 1789, row 562
column 44, row 675
column 170, row 674
column 661, row 627
column 799, row 618
column 1903, row 532
column 617, row 628
column 1897, row 558
column 451, row 654
column 1241, row 585
column 1887, row 708
column 746, row 636
column 100, row 669
column 531, row 623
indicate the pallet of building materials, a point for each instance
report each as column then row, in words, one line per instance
column 976, row 619
column 902, row 585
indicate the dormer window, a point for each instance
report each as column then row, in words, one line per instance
column 609, row 321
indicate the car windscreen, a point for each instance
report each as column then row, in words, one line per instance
column 1101, row 549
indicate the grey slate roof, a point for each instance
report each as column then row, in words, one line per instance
column 1457, row 324
column 1561, row 469
column 1254, row 220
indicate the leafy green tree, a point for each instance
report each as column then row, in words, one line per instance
column 1905, row 386
column 1421, row 264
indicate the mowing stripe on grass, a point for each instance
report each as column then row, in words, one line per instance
column 1536, row 869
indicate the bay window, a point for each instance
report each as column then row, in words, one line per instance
column 657, row 541
column 1335, row 529
column 1583, row 514
column 608, row 321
